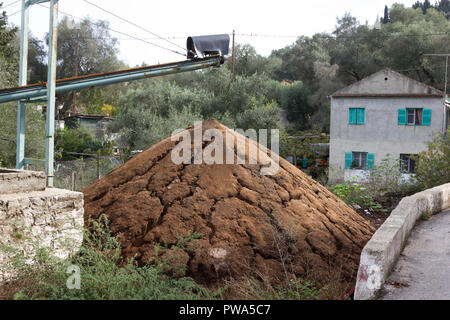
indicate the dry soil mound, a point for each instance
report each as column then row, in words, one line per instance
column 269, row 225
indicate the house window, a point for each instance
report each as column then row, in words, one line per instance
column 359, row 160
column 407, row 163
column 414, row 117
column 356, row 116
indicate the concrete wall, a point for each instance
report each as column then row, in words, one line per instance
column 380, row 254
column 381, row 134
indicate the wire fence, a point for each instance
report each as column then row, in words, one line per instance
column 78, row 173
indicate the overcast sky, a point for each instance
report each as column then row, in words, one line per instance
column 285, row 19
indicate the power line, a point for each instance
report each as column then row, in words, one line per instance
column 8, row 5
column 120, row 32
column 12, row 14
column 145, row 40
column 132, row 23
column 340, row 36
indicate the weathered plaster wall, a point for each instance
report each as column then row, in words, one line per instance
column 381, row 134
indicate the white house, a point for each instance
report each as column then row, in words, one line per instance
column 384, row 114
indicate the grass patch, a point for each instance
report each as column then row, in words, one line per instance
column 425, row 216
column 103, row 274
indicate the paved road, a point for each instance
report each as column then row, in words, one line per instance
column 423, row 269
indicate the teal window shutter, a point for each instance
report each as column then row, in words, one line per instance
column 402, row 116
column 361, row 116
column 352, row 116
column 370, row 161
column 426, row 117
column 348, row 160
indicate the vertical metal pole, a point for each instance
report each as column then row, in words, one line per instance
column 233, row 61
column 98, row 164
column 23, row 68
column 51, row 88
column 445, row 97
column 446, row 74
column 77, row 50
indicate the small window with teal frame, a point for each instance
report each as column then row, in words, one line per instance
column 359, row 160
column 414, row 117
column 357, row 116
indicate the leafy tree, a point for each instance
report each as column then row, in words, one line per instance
column 97, row 53
column 34, row 133
column 444, row 6
column 355, row 49
column 325, row 63
column 426, row 5
column 417, row 5
column 423, row 6
column 249, row 62
column 407, row 37
column 79, row 140
column 34, row 121
column 297, row 60
column 37, row 60
column 152, row 110
column 294, row 100
column 8, row 52
column 139, row 127
column 259, row 116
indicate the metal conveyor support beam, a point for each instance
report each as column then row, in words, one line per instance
column 39, row 91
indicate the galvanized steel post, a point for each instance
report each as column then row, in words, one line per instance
column 51, row 91
column 23, row 67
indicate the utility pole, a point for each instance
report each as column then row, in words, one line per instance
column 233, row 61
column 77, row 49
column 446, row 55
column 51, row 91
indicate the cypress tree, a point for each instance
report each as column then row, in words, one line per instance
column 386, row 15
column 426, row 6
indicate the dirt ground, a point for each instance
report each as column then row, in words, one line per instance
column 376, row 218
column 248, row 224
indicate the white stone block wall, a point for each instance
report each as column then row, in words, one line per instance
column 52, row 218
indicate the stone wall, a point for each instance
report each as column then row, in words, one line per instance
column 51, row 218
column 12, row 181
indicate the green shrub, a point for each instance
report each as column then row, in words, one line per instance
column 104, row 275
column 355, row 194
column 386, row 178
column 80, row 140
column 299, row 290
column 433, row 165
